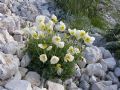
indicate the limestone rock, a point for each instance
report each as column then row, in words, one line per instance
column 18, row 85
column 95, row 69
column 33, row 77
column 82, row 63
column 117, row 71
column 23, row 71
column 92, row 54
column 112, row 77
column 10, row 48
column 25, row 60
column 54, row 86
column 105, row 53
column 8, row 66
column 110, row 62
column 102, row 86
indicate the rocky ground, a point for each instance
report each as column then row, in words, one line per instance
column 98, row 71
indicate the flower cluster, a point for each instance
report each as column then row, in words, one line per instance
column 56, row 53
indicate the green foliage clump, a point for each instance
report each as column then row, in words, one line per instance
column 80, row 9
column 50, row 71
column 54, row 55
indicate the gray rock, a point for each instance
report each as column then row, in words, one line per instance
column 18, row 85
column 92, row 54
column 95, row 69
column 17, row 76
column 82, row 63
column 102, row 86
column 112, row 77
column 105, row 53
column 68, row 82
column 72, row 86
column 1, row 88
column 84, row 77
column 84, row 85
column 23, row 71
column 25, row 60
column 110, row 62
column 104, row 65
column 20, row 50
column 10, row 48
column 33, row 78
column 54, row 86
column 117, row 71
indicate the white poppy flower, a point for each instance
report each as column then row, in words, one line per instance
column 54, row 60
column 43, row 58
column 56, row 39
column 60, row 44
column 88, row 39
column 68, row 58
column 40, row 18
column 71, row 50
column 72, row 32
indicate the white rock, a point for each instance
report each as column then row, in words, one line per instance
column 18, row 85
column 23, row 71
column 25, row 60
column 105, row 53
column 117, row 71
column 54, row 86
column 95, row 69
column 92, row 54
column 110, row 62
column 33, row 78
column 102, row 86
column 8, row 38
column 2, row 40
column 93, row 79
column 37, row 88
column 82, row 63
column 9, row 67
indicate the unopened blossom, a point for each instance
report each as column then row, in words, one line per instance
column 40, row 18
column 49, row 48
column 56, row 39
